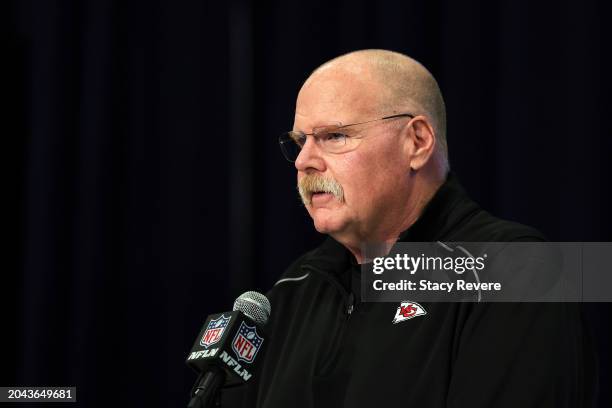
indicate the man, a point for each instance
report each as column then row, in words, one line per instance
column 369, row 146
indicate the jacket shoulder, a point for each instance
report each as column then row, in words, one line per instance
column 484, row 227
column 295, row 270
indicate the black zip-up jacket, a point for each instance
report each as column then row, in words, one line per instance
column 328, row 349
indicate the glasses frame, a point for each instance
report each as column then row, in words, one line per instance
column 282, row 142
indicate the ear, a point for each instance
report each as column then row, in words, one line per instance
column 421, row 142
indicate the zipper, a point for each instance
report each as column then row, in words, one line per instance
column 331, row 359
column 349, row 304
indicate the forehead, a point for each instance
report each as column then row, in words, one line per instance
column 336, row 96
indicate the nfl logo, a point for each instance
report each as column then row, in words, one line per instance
column 246, row 343
column 214, row 331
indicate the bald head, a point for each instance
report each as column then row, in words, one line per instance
column 403, row 85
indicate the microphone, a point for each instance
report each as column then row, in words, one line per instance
column 227, row 348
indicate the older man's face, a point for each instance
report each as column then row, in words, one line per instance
column 373, row 177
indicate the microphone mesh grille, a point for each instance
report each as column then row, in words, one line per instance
column 254, row 305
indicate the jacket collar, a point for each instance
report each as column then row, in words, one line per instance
column 449, row 207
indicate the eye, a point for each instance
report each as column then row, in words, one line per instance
column 334, row 137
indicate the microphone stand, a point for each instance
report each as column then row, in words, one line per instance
column 207, row 386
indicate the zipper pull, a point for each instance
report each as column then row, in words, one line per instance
column 350, row 304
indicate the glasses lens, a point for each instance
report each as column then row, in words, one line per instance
column 289, row 146
column 334, row 142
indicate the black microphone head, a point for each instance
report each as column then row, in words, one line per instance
column 254, row 305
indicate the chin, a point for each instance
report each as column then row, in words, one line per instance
column 328, row 224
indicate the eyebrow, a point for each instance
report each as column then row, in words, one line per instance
column 320, row 126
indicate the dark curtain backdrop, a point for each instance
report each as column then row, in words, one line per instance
column 147, row 189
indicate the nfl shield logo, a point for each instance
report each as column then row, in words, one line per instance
column 214, row 331
column 246, row 343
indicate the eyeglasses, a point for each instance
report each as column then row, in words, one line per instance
column 331, row 139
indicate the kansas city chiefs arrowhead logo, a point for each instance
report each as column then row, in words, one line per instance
column 408, row 310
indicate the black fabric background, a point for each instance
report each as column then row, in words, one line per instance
column 146, row 189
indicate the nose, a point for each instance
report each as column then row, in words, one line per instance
column 310, row 158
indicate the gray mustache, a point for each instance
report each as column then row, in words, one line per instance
column 310, row 184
